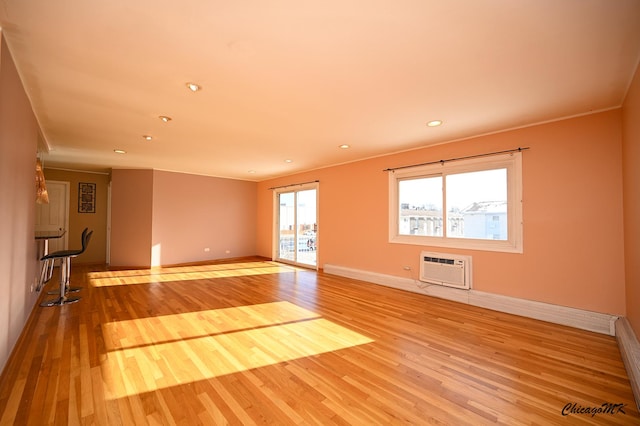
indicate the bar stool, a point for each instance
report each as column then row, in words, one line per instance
column 65, row 270
column 74, row 253
column 49, row 263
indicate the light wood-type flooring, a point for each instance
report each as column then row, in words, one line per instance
column 257, row 342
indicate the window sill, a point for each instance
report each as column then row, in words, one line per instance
column 465, row 244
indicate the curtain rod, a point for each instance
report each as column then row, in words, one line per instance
column 294, row 184
column 391, row 169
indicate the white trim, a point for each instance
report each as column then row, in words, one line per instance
column 578, row 318
column 78, row 171
column 630, row 351
column 108, row 247
column 67, row 202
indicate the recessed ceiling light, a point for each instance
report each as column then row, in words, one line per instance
column 434, row 123
column 344, row 146
column 147, row 137
column 119, row 151
column 193, row 87
column 165, row 118
column 288, row 160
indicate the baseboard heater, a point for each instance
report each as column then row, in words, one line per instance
column 445, row 269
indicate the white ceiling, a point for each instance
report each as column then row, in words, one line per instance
column 292, row 79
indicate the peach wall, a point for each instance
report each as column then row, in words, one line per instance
column 19, row 132
column 97, row 222
column 573, row 232
column 131, row 215
column 631, row 170
column 163, row 218
column 191, row 213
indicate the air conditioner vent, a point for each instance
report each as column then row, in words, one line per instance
column 439, row 260
column 445, row 269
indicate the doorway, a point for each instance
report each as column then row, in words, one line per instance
column 55, row 215
column 297, row 225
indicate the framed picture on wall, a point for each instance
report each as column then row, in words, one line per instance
column 86, row 197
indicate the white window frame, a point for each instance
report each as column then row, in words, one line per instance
column 512, row 162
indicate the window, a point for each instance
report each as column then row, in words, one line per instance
column 473, row 204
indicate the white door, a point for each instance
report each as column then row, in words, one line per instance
column 55, row 215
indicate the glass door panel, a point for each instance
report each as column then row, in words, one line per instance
column 287, row 225
column 306, row 229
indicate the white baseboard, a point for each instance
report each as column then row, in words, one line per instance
column 578, row 318
column 630, row 351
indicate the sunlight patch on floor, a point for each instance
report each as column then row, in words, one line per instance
column 148, row 354
column 189, row 325
column 187, row 273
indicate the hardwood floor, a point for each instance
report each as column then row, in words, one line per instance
column 258, row 342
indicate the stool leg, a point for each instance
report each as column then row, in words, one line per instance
column 64, row 281
column 64, row 277
column 44, row 267
column 52, row 264
column 69, row 288
column 66, row 264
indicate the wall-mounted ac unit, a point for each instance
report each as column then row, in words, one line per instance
column 445, row 269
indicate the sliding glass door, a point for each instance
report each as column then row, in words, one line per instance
column 297, row 225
